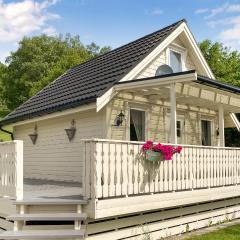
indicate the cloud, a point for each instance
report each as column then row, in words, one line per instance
column 155, row 12
column 201, row 10
column 50, row 31
column 226, row 18
column 225, row 8
column 231, row 35
column 18, row 19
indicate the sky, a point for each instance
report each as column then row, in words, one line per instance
column 116, row 22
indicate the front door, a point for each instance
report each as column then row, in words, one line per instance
column 206, row 129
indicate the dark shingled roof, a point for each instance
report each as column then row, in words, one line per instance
column 83, row 83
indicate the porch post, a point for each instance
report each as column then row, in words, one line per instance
column 173, row 121
column 221, row 125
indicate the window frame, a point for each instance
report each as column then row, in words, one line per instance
column 212, row 130
column 181, row 118
column 142, row 108
column 180, row 50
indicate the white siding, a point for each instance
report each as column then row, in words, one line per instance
column 53, row 156
column 158, row 112
column 150, row 69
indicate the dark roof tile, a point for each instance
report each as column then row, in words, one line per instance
column 85, row 82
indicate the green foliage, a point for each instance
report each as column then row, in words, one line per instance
column 225, row 65
column 5, row 136
column 224, row 62
column 228, row 233
column 37, row 62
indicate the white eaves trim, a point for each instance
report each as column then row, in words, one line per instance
column 128, row 85
column 56, row 114
column 235, row 121
column 182, row 28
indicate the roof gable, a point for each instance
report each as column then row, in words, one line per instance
column 84, row 83
column 181, row 32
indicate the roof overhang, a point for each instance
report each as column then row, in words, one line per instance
column 143, row 83
column 188, row 78
column 181, row 29
column 81, row 108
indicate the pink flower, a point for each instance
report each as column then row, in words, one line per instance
column 179, row 149
column 158, row 147
column 147, row 146
column 166, row 150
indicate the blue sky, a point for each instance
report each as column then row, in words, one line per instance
column 116, row 22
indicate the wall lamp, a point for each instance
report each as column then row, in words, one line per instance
column 119, row 119
column 71, row 131
column 33, row 136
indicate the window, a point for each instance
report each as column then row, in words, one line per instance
column 179, row 129
column 175, row 61
column 206, row 132
column 137, row 125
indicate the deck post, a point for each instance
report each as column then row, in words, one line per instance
column 19, row 169
column 173, row 121
column 221, row 126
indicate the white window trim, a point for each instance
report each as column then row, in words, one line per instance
column 142, row 108
column 212, row 129
column 178, row 49
column 182, row 122
column 182, row 119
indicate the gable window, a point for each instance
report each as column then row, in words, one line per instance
column 137, row 125
column 175, row 61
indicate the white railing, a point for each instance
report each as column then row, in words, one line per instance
column 117, row 168
column 11, row 169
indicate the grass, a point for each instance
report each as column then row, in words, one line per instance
column 5, row 136
column 228, row 233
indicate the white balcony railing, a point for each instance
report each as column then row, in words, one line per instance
column 117, row 168
column 11, row 169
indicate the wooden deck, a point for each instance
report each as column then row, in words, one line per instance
column 49, row 189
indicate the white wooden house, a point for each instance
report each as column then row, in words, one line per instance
column 74, row 168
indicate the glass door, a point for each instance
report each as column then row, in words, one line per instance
column 206, row 135
column 137, row 125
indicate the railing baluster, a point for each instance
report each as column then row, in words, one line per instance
column 117, row 168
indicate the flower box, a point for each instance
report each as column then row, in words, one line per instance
column 153, row 156
column 156, row 152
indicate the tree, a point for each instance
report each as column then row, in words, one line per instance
column 37, row 62
column 225, row 65
column 224, row 62
column 95, row 50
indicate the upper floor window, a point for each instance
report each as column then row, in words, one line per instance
column 175, row 61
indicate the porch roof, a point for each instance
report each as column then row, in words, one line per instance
column 188, row 81
column 199, row 79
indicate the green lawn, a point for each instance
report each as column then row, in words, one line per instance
column 4, row 136
column 228, row 233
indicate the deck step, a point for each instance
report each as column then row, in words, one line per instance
column 43, row 234
column 48, row 217
column 43, row 201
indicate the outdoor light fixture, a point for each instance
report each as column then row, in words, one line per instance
column 34, row 135
column 119, row 119
column 71, row 131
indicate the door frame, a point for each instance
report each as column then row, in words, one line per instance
column 212, row 129
column 139, row 107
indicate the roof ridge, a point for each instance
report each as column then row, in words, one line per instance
column 115, row 49
column 83, row 83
